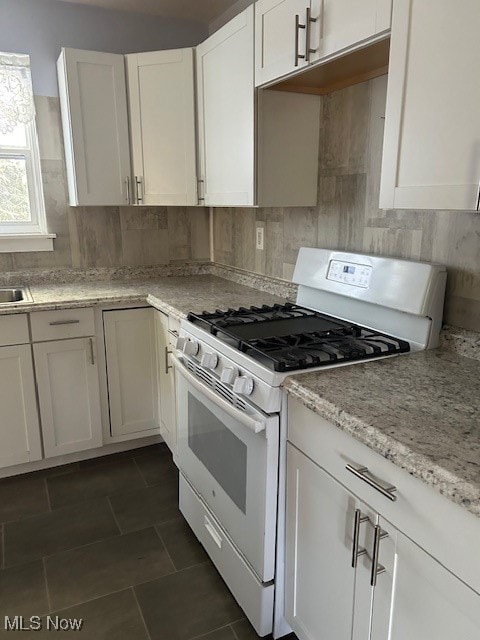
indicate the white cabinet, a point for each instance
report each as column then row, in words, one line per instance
column 162, row 125
column 409, row 582
column 131, row 372
column 93, row 102
column 323, row 598
column 431, row 154
column 166, row 382
column 251, row 152
column 20, row 429
column 226, row 114
column 416, row 597
column 69, row 397
column 293, row 34
column 279, row 39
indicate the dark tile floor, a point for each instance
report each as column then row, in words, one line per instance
column 103, row 540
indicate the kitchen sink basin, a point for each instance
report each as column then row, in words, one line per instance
column 12, row 295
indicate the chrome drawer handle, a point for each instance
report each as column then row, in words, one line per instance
column 356, row 551
column 57, row 323
column 308, row 23
column 167, row 366
column 360, row 472
column 377, row 569
column 298, row 26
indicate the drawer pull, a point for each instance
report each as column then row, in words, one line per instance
column 57, row 323
column 92, row 351
column 213, row 533
column 298, row 26
column 167, row 366
column 356, row 551
column 377, row 569
column 360, row 472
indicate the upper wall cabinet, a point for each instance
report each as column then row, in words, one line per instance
column 292, row 34
column 162, row 126
column 253, row 150
column 95, row 125
column 431, row 154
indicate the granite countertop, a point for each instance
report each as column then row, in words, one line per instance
column 421, row 411
column 176, row 295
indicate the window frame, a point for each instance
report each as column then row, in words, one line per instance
column 31, row 235
column 31, row 154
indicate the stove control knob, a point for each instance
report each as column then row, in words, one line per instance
column 228, row 375
column 243, row 385
column 191, row 347
column 180, row 344
column 209, row 360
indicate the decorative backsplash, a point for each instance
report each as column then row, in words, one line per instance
column 347, row 215
column 104, row 236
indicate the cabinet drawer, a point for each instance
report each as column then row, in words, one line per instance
column 14, row 330
column 419, row 511
column 254, row 598
column 58, row 325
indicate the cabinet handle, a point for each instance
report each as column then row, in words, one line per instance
column 167, row 366
column 360, row 472
column 92, row 351
column 127, row 189
column 308, row 22
column 138, row 183
column 377, row 569
column 57, row 323
column 356, row 551
column 478, row 198
column 298, row 26
column 199, row 191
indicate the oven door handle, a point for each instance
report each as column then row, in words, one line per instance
column 257, row 425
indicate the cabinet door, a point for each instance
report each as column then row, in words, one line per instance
column 226, row 114
column 278, row 38
column 162, row 123
column 346, row 23
column 69, row 396
column 166, row 384
column 431, row 153
column 20, row 429
column 131, row 372
column 320, row 581
column 93, row 102
column 417, row 598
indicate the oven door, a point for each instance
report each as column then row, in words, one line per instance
column 228, row 450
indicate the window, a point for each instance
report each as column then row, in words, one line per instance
column 22, row 210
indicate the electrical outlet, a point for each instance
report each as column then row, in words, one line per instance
column 260, row 238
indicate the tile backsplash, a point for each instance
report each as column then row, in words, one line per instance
column 104, row 236
column 347, row 214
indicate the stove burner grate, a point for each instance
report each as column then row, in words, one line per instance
column 289, row 337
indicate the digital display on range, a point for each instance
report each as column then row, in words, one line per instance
column 351, row 274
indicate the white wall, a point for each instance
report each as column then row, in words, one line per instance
column 41, row 27
column 234, row 10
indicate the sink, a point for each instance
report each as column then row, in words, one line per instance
column 11, row 295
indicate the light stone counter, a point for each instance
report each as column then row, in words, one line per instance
column 176, row 295
column 421, row 411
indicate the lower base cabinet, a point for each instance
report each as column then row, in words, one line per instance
column 20, row 430
column 69, row 397
column 130, row 349
column 415, row 597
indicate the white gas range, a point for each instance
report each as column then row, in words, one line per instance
column 230, row 366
